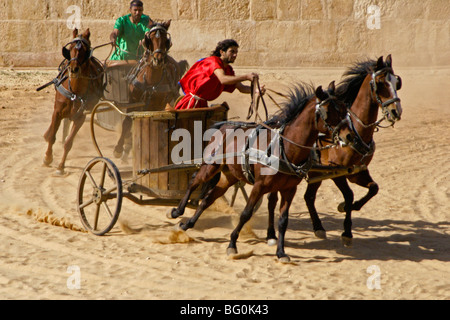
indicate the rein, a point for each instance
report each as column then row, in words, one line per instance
column 319, row 112
column 254, row 104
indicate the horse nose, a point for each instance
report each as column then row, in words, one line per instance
column 396, row 115
column 158, row 58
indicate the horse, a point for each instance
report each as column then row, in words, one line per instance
column 79, row 86
column 154, row 80
column 307, row 113
column 367, row 87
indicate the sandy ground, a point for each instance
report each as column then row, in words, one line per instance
column 402, row 235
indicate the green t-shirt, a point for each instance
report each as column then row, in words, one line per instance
column 129, row 36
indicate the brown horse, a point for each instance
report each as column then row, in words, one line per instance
column 79, row 86
column 298, row 125
column 154, row 80
column 368, row 87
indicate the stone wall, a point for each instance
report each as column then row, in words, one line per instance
column 271, row 33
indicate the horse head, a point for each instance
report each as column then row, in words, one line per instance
column 332, row 117
column 157, row 41
column 384, row 86
column 78, row 51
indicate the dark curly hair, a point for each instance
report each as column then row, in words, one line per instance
column 224, row 45
column 136, row 3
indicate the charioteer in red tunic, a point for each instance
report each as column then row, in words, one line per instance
column 209, row 77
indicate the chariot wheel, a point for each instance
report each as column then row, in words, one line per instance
column 99, row 196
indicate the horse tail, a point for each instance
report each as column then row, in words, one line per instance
column 209, row 185
column 184, row 66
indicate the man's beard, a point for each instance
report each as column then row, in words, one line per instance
column 229, row 60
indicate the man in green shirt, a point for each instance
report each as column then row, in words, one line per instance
column 128, row 31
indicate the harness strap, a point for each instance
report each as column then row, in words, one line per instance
column 267, row 158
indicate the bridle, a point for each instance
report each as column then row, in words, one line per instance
column 79, row 41
column 387, row 114
column 149, row 50
column 322, row 113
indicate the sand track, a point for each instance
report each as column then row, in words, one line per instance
column 404, row 230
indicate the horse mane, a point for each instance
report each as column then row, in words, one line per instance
column 154, row 23
column 298, row 98
column 347, row 90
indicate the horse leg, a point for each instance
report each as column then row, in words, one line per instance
column 286, row 199
column 272, row 203
column 246, row 215
column 364, row 179
column 77, row 124
column 310, row 199
column 206, row 173
column 124, row 136
column 343, row 186
column 50, row 136
column 214, row 193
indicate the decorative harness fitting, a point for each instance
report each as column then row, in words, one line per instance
column 358, row 144
column 149, row 89
column 63, row 68
column 280, row 162
column 374, row 94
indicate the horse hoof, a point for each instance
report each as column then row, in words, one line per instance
column 60, row 173
column 321, row 234
column 271, row 242
column 346, row 241
column 117, row 154
column 47, row 161
column 169, row 213
column 172, row 213
column 177, row 227
column 341, row 207
column 231, row 251
column 284, row 259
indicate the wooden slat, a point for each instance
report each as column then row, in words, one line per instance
column 173, row 176
column 153, row 146
column 182, row 176
column 145, row 152
column 163, row 149
column 137, row 147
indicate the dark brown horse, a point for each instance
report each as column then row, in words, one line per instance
column 154, row 80
column 297, row 127
column 79, row 86
column 368, row 87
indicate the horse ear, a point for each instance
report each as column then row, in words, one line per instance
column 380, row 63
column 87, row 34
column 320, row 94
column 332, row 87
column 167, row 24
column 389, row 61
column 75, row 32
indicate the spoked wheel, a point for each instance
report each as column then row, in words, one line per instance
column 99, row 196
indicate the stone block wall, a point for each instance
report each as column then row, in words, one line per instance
column 271, row 33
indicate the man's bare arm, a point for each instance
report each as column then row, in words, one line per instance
column 230, row 80
column 114, row 35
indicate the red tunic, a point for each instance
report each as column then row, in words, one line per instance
column 201, row 85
